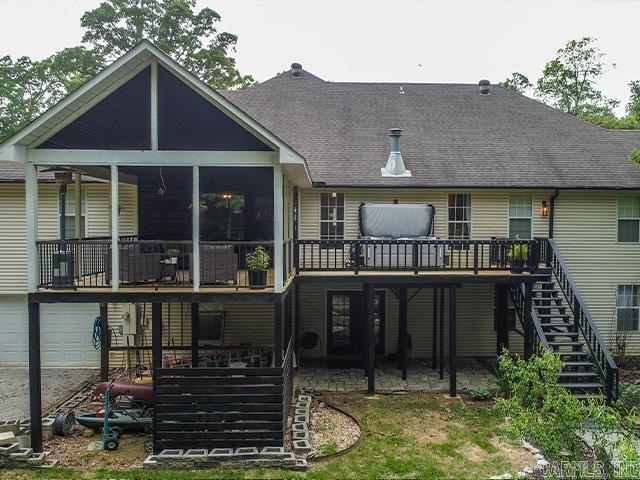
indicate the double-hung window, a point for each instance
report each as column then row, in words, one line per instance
column 629, row 219
column 520, row 216
column 627, row 307
column 70, row 214
column 331, row 216
column 459, row 216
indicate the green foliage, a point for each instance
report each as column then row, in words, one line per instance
column 481, row 394
column 633, row 107
column 258, row 259
column 568, row 81
column 628, row 397
column 329, row 448
column 518, row 83
column 634, row 156
column 173, row 252
column 519, row 251
column 612, row 122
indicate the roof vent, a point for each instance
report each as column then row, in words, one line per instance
column 296, row 70
column 395, row 165
column 484, row 86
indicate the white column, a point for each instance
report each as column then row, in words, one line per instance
column 78, row 223
column 31, row 192
column 154, row 105
column 278, row 222
column 115, row 252
column 195, row 231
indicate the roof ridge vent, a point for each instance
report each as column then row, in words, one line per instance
column 395, row 165
column 484, row 87
column 296, row 70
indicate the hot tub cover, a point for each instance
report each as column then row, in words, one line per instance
column 385, row 220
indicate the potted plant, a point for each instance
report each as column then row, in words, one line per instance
column 172, row 254
column 518, row 254
column 257, row 264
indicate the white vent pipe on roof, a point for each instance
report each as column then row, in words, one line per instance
column 395, row 165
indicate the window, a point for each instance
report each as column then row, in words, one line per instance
column 520, row 215
column 70, row 214
column 628, row 219
column 211, row 323
column 627, row 307
column 459, row 226
column 331, row 216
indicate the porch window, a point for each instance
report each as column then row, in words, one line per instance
column 520, row 216
column 459, row 219
column 331, row 216
column 70, row 214
column 629, row 219
column 627, row 307
column 211, row 324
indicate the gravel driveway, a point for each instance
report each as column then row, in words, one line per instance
column 57, row 385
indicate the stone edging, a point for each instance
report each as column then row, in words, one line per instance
column 527, row 472
column 322, row 458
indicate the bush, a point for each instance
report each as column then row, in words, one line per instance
column 628, row 398
column 258, row 259
column 480, row 394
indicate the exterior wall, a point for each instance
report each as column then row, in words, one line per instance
column 585, row 230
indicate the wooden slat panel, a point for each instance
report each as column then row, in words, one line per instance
column 202, row 436
column 194, row 399
column 218, row 389
column 257, row 380
column 218, row 372
column 205, row 427
column 230, row 443
column 218, row 416
column 245, row 408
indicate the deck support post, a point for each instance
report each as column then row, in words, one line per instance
column 78, row 223
column 195, row 335
column 369, row 301
column 402, row 314
column 195, row 227
column 528, row 321
column 31, row 193
column 296, row 319
column 452, row 340
column 441, row 333
column 434, row 340
column 115, row 212
column 104, row 342
column 277, row 323
column 35, row 377
column 156, row 355
column 288, row 328
column 502, row 317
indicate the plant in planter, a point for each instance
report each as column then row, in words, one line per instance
column 258, row 263
column 518, row 254
column 172, row 254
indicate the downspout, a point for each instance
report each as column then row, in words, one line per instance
column 552, row 204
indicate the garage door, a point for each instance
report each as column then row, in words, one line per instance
column 66, row 331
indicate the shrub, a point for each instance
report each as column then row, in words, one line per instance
column 258, row 259
column 628, row 397
column 480, row 394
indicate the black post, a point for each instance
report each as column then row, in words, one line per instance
column 277, row 325
column 195, row 335
column 35, row 377
column 528, row 322
column 156, row 354
column 502, row 317
column 104, row 342
column 287, row 319
column 403, row 307
column 371, row 334
column 441, row 333
column 296, row 314
column 452, row 340
column 434, row 346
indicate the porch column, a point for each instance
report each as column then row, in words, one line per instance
column 31, row 193
column 369, row 301
column 528, row 322
column 434, row 342
column 502, row 317
column 441, row 333
column 195, row 335
column 402, row 315
column 104, row 342
column 278, row 229
column 78, row 223
column 277, row 325
column 195, row 230
column 115, row 251
column 156, row 354
column 452, row 340
column 35, row 377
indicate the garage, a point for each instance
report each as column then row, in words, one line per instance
column 66, row 334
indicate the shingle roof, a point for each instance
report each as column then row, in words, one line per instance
column 452, row 135
column 14, row 173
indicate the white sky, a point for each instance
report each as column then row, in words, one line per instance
column 380, row 40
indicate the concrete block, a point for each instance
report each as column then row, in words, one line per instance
column 7, row 449
column 150, row 461
column 304, row 398
column 47, row 425
column 7, row 438
column 301, row 464
column 50, row 464
column 304, row 405
column 272, row 452
column 301, row 419
column 21, row 454
column 12, row 426
column 196, row 454
column 302, row 435
column 220, row 454
column 24, row 440
column 300, row 427
column 245, row 453
column 169, row 454
column 302, row 446
column 37, row 459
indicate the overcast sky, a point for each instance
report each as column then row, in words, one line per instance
column 379, row 40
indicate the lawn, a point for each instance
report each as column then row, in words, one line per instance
column 404, row 436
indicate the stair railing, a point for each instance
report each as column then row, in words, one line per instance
column 606, row 365
column 518, row 297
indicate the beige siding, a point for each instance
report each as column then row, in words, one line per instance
column 586, row 234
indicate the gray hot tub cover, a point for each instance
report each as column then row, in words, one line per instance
column 396, row 220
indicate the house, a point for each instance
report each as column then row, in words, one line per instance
column 525, row 233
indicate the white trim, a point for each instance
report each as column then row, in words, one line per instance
column 154, row 105
column 195, row 231
column 13, row 153
column 148, row 158
column 31, row 193
column 277, row 228
column 115, row 251
column 617, row 207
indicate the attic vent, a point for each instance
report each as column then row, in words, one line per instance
column 296, row 70
column 395, row 165
column 484, row 86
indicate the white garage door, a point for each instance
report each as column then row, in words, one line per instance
column 66, row 331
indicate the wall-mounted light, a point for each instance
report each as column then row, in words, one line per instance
column 545, row 208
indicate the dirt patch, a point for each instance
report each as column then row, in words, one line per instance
column 429, row 429
column 331, row 431
column 630, row 371
column 515, row 454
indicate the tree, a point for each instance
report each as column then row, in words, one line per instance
column 189, row 36
column 633, row 107
column 517, row 82
column 568, row 81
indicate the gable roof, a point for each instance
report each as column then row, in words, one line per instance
column 452, row 135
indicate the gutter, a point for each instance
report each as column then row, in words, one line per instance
column 552, row 207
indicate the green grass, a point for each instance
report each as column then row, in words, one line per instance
column 416, row 435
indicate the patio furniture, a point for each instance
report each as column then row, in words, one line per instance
column 136, row 266
column 218, row 264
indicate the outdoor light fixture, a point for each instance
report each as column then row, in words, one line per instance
column 227, row 196
column 545, row 208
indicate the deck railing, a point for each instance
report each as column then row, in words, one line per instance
column 415, row 255
column 224, row 264
column 534, row 329
column 153, row 262
column 287, row 377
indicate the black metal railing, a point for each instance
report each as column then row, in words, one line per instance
column 153, row 262
column 224, row 264
column 287, row 376
column 605, row 364
column 534, row 329
column 415, row 255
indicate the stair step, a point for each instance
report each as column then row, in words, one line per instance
column 554, row 315
column 571, row 385
column 558, row 325
column 547, row 299
column 577, row 374
column 561, row 334
column 573, row 354
column 550, row 307
column 566, row 344
column 544, row 290
column 577, row 363
column 585, row 395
